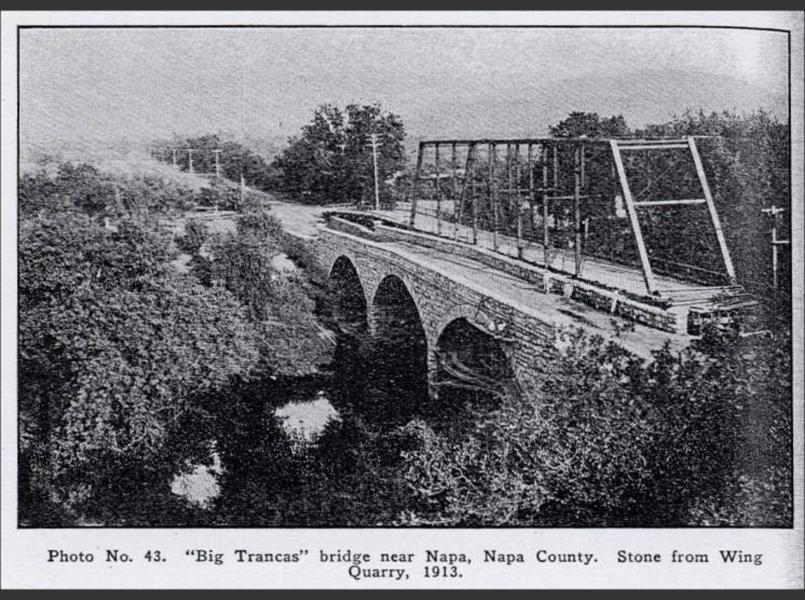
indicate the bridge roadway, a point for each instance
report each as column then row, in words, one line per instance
column 608, row 273
column 529, row 298
column 307, row 222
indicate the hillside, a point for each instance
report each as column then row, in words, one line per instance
column 529, row 108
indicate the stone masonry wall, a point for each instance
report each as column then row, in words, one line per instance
column 528, row 342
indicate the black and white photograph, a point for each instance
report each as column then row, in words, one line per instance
column 427, row 278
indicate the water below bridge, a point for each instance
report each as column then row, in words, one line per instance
column 261, row 450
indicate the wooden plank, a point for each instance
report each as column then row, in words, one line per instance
column 551, row 140
column 648, row 274
column 722, row 243
column 573, row 196
column 652, row 146
column 502, row 141
column 672, row 202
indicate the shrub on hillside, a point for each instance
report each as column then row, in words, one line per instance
column 116, row 352
column 610, row 440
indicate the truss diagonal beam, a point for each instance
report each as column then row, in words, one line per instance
column 648, row 274
column 711, row 208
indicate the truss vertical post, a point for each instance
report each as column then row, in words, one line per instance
column 648, row 275
column 438, row 190
column 474, row 194
column 493, row 194
column 509, row 185
column 546, row 235
column 453, row 161
column 531, row 185
column 711, row 207
column 577, row 209
column 518, row 199
column 462, row 198
column 415, row 184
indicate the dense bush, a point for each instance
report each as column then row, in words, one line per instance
column 195, row 235
column 225, row 195
column 683, row 439
column 83, row 187
column 281, row 304
column 116, row 349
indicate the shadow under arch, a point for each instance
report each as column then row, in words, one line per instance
column 398, row 366
column 473, row 373
column 349, row 299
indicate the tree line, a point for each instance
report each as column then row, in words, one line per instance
column 329, row 162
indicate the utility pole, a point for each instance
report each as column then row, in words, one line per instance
column 242, row 120
column 190, row 159
column 374, row 162
column 217, row 153
column 774, row 212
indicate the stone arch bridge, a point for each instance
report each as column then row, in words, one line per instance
column 471, row 301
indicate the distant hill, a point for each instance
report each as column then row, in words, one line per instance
column 431, row 107
column 529, row 108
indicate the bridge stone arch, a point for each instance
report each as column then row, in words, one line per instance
column 475, row 314
column 391, row 290
column 473, row 362
column 400, row 345
column 528, row 340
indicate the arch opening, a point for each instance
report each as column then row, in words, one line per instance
column 473, row 374
column 398, row 367
column 349, row 300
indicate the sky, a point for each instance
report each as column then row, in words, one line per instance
column 94, row 86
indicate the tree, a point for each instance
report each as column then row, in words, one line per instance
column 116, row 352
column 234, row 159
column 331, row 160
column 280, row 304
column 581, row 124
column 747, row 166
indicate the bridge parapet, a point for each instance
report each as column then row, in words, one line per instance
column 611, row 301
